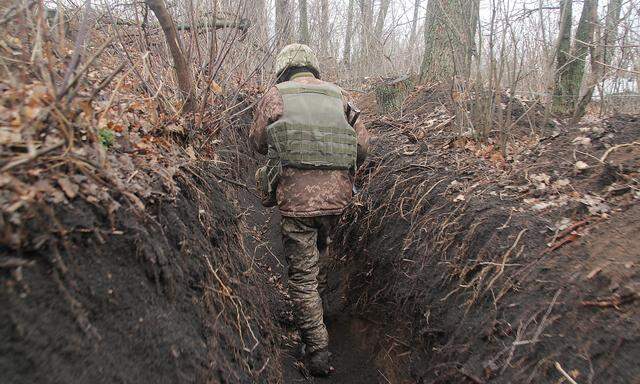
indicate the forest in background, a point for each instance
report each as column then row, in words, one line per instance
column 561, row 53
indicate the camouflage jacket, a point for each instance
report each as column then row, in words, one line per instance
column 306, row 193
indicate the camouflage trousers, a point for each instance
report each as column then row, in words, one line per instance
column 305, row 241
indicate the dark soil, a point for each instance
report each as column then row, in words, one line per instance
column 443, row 291
column 455, row 264
column 164, row 296
column 463, row 249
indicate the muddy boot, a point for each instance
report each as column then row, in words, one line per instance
column 318, row 363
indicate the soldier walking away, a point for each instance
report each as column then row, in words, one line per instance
column 314, row 143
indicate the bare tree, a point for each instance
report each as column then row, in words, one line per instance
column 303, row 31
column 366, row 16
column 571, row 61
column 382, row 15
column 283, row 21
column 324, row 26
column 349, row 32
column 449, row 33
column 610, row 34
column 414, row 25
column 182, row 68
column 260, row 19
column 601, row 54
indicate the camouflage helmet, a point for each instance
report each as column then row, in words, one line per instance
column 296, row 55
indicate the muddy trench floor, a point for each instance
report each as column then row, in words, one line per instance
column 350, row 336
column 352, row 362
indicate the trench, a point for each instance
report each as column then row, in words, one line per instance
column 425, row 301
column 162, row 317
column 363, row 350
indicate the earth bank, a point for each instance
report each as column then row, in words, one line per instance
column 160, row 295
column 499, row 269
column 453, row 264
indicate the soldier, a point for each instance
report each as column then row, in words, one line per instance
column 314, row 143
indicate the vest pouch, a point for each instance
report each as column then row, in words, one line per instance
column 267, row 178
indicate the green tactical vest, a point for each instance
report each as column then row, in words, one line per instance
column 313, row 132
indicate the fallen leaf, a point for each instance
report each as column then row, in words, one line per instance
column 542, row 205
column 581, row 165
column 69, row 188
column 595, row 204
column 497, row 157
column 174, row 128
column 561, row 183
column 594, row 272
column 581, row 140
column 216, row 88
column 9, row 136
column 191, row 153
column 563, row 224
column 541, row 178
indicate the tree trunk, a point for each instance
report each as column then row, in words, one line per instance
column 382, row 15
column 611, row 30
column 366, row 16
column 572, row 71
column 376, row 49
column 304, row 22
column 434, row 44
column 260, row 20
column 182, row 68
column 601, row 54
column 449, row 34
column 564, row 52
column 324, row 26
column 347, row 38
column 241, row 24
column 414, row 25
column 283, row 22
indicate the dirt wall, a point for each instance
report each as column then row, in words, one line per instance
column 166, row 295
column 486, row 269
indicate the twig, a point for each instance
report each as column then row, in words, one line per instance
column 604, row 156
column 383, row 376
column 14, row 10
column 113, row 95
column 14, row 262
column 564, row 238
column 536, row 336
column 505, row 257
column 27, row 158
column 84, row 67
column 614, row 301
column 78, row 49
column 107, row 81
column 264, row 366
column 565, row 374
column 470, row 376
